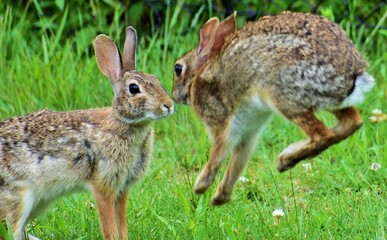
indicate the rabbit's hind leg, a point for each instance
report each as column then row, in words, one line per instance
column 320, row 138
column 349, row 121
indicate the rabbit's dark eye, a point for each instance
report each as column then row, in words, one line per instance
column 178, row 69
column 134, row 88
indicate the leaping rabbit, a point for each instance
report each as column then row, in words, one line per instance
column 292, row 64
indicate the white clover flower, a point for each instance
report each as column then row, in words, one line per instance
column 244, row 179
column 378, row 116
column 373, row 119
column 377, row 112
column 89, row 205
column 278, row 213
column 375, row 166
column 307, row 166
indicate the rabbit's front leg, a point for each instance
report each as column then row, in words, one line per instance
column 208, row 174
column 107, row 215
column 30, row 237
column 16, row 204
column 121, row 215
column 239, row 159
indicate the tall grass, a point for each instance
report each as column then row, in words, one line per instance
column 338, row 198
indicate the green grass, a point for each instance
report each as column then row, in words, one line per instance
column 340, row 198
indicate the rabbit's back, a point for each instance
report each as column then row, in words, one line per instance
column 328, row 41
column 302, row 60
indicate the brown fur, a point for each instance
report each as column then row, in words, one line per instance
column 293, row 64
column 47, row 154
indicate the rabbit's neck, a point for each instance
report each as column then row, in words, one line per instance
column 109, row 123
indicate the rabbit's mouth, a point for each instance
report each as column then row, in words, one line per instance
column 164, row 110
column 180, row 99
column 184, row 101
column 181, row 93
column 158, row 116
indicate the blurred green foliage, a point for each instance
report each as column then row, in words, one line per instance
column 86, row 18
column 45, row 26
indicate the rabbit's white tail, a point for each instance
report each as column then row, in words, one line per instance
column 363, row 84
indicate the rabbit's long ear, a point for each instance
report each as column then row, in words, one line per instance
column 108, row 60
column 206, row 34
column 206, row 40
column 226, row 27
column 129, row 54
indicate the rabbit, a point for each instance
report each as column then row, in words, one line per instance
column 47, row 154
column 292, row 64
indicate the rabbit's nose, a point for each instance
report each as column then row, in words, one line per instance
column 169, row 107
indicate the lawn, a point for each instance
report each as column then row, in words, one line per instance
column 334, row 196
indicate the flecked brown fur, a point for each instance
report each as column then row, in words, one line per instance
column 292, row 64
column 47, row 154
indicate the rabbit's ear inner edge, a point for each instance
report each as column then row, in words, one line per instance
column 206, row 40
column 109, row 60
column 206, row 33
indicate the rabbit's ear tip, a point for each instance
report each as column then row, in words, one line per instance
column 102, row 38
column 131, row 29
column 232, row 16
column 211, row 21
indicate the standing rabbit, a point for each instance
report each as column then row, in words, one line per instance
column 46, row 154
column 292, row 64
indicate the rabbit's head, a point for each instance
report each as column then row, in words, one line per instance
column 137, row 96
column 213, row 35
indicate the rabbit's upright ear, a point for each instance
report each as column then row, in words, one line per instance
column 226, row 28
column 206, row 33
column 109, row 60
column 129, row 54
column 206, row 39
